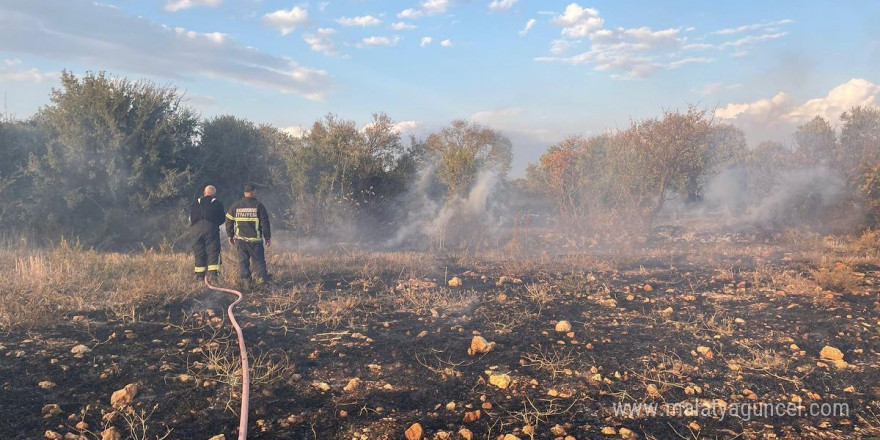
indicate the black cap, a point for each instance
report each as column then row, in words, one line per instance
column 248, row 188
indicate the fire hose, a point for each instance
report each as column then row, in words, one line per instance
column 245, row 377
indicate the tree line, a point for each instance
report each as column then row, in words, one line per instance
column 114, row 163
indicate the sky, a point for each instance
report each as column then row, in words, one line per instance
column 538, row 71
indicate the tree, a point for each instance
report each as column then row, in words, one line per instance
column 859, row 157
column 462, row 149
column 116, row 153
column 816, row 141
column 232, row 151
column 18, row 141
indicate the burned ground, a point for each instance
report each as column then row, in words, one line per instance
column 363, row 345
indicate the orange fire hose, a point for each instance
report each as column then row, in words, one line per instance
column 245, row 377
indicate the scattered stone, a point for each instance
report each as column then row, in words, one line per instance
column 849, row 389
column 511, row 437
column 442, row 435
column 422, row 334
column 51, row 409
column 648, row 288
column 502, row 297
column 82, row 425
column 185, row 377
column 218, row 437
column 46, row 384
column 667, row 311
column 653, row 391
column 563, row 326
column 479, row 345
column 124, row 396
column 414, row 432
column 466, row 434
column 733, row 366
column 471, row 416
column 608, row 431
column 454, row 282
column 626, row 433
column 80, row 350
column 52, row 435
column 450, row 406
column 322, row 386
column 557, row 430
column 528, row 430
column 352, row 385
column 499, row 380
column 705, row 351
column 830, row 353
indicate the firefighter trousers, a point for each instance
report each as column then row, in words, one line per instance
column 247, row 251
column 206, row 248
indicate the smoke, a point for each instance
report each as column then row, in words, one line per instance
column 788, row 197
column 451, row 220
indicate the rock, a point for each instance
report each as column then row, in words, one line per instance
column 71, row 436
column 706, row 351
column 442, row 435
column 323, row 386
column 414, row 432
column 218, row 437
column 667, row 311
column 466, row 434
column 830, row 353
column 80, row 350
column 82, row 426
column 52, row 435
column 733, row 366
column 450, row 406
column 653, row 391
column 479, row 345
column 849, row 389
column 185, row 377
column 557, row 430
column 608, row 431
column 511, row 437
column 500, row 380
column 124, row 396
column 471, row 416
column 563, row 326
column 528, row 430
column 51, row 409
column 112, row 434
column 352, row 385
column 46, row 385
column 626, row 433
column 648, row 288
column 454, row 282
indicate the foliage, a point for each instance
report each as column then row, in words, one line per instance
column 462, row 149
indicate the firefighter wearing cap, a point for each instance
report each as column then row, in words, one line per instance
column 205, row 217
column 247, row 225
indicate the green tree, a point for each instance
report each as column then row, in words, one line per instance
column 462, row 149
column 116, row 154
column 816, row 141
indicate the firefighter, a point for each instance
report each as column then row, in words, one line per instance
column 205, row 218
column 247, row 225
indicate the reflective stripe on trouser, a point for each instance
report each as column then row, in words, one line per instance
column 206, row 246
column 246, row 251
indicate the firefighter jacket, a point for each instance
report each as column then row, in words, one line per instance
column 207, row 208
column 248, row 220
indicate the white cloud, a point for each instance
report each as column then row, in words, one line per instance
column 322, row 41
column 579, row 22
column 402, row 26
column 560, row 47
column 698, row 46
column 715, row 88
column 752, row 39
column 375, row 41
column 426, row 8
column 11, row 72
column 685, row 61
column 751, row 27
column 286, row 21
column 446, row 43
column 406, row 126
column 778, row 116
column 529, row 25
column 102, row 37
column 495, row 117
column 426, row 41
column 177, row 5
column 363, row 21
column 294, row 130
column 501, row 5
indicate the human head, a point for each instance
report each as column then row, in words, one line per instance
column 248, row 190
column 210, row 190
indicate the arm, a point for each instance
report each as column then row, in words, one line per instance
column 230, row 223
column 263, row 215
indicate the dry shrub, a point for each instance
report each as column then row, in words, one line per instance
column 840, row 278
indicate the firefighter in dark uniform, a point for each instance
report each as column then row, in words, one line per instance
column 205, row 217
column 247, row 225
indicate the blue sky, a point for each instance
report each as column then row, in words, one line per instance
column 537, row 70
